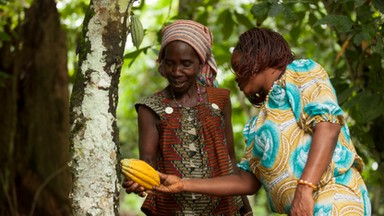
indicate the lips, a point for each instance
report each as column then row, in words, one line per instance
column 178, row 84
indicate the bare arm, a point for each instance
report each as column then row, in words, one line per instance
column 231, row 149
column 242, row 184
column 320, row 155
column 229, row 134
column 148, row 135
column 148, row 145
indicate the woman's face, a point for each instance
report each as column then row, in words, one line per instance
column 248, row 85
column 180, row 66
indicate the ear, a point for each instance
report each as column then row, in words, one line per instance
column 160, row 68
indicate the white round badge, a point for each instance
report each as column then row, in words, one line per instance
column 168, row 110
column 215, row 106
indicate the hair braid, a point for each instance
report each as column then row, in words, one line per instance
column 261, row 48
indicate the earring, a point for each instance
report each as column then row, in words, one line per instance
column 257, row 99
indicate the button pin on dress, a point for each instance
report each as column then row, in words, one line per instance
column 215, row 106
column 168, row 110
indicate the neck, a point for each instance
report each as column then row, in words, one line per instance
column 272, row 76
column 190, row 98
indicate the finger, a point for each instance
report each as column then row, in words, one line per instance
column 142, row 194
column 162, row 176
column 134, row 187
column 127, row 183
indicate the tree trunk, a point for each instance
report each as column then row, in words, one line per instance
column 34, row 119
column 94, row 134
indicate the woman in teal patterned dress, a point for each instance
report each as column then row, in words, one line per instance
column 298, row 147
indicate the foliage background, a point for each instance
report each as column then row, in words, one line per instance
column 345, row 36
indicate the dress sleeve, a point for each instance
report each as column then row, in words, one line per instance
column 319, row 98
column 247, row 161
column 154, row 102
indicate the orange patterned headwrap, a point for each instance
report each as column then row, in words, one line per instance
column 199, row 37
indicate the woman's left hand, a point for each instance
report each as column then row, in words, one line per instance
column 303, row 203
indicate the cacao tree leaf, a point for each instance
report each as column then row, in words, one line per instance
column 242, row 19
column 133, row 55
column 227, row 23
column 260, row 11
column 359, row 3
column 276, row 10
column 340, row 22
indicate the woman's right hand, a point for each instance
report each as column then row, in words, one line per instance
column 132, row 187
column 169, row 184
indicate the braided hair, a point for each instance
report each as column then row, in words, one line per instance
column 261, row 48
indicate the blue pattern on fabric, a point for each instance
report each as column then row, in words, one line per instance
column 345, row 131
column 302, row 65
column 267, row 143
column 278, row 99
column 299, row 158
column 344, row 178
column 322, row 210
column 366, row 201
column 342, row 157
column 244, row 165
column 321, row 109
column 294, row 98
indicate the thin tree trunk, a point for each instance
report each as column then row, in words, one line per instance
column 94, row 135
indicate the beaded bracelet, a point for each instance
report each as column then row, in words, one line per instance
column 304, row 182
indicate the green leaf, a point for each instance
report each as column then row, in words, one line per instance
column 344, row 95
column 340, row 22
column 133, row 55
column 242, row 19
column 260, row 11
column 227, row 23
column 4, row 36
column 276, row 10
column 359, row 3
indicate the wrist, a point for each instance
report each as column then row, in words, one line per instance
column 183, row 185
column 304, row 189
column 308, row 184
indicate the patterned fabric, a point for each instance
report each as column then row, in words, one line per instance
column 279, row 138
column 199, row 37
column 192, row 145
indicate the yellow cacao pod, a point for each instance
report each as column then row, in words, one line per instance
column 140, row 172
column 137, row 31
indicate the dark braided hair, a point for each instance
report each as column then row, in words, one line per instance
column 261, row 48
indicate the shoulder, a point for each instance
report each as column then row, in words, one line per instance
column 304, row 70
column 153, row 102
column 303, row 65
column 219, row 96
column 218, row 91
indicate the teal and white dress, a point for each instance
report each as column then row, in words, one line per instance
column 278, row 140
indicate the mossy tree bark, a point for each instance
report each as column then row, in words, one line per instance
column 94, row 134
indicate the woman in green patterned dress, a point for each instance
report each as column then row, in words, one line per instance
column 298, row 147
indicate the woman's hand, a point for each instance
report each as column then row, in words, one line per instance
column 169, row 184
column 132, row 187
column 303, row 203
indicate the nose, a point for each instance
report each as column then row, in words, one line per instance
column 176, row 69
